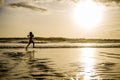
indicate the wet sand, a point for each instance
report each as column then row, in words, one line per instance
column 60, row 64
column 23, row 66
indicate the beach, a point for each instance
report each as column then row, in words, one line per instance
column 60, row 64
column 59, row 39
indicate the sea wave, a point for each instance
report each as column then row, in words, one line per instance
column 62, row 45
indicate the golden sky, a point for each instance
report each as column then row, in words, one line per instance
column 56, row 18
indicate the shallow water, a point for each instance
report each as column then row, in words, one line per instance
column 61, row 64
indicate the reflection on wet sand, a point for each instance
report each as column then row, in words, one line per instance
column 95, row 66
column 88, row 62
column 85, row 69
column 30, row 54
column 30, row 68
column 53, row 64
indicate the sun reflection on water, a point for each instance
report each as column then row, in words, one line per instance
column 88, row 61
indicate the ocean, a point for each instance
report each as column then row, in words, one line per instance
column 60, row 61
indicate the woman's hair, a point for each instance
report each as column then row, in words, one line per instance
column 30, row 33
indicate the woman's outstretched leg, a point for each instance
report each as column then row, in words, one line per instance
column 27, row 46
column 33, row 44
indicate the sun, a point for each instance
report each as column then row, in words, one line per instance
column 88, row 14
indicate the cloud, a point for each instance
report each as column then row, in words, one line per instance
column 29, row 3
column 1, row 3
column 28, row 6
column 109, row 0
column 105, row 2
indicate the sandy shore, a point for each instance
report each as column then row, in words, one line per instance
column 22, row 66
column 59, row 64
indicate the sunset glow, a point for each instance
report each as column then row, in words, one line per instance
column 88, row 14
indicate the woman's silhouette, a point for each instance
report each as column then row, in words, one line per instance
column 30, row 36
